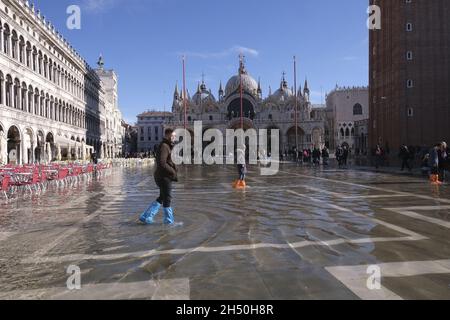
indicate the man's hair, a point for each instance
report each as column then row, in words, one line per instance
column 168, row 132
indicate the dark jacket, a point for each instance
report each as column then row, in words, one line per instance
column 443, row 159
column 165, row 168
column 404, row 153
column 434, row 157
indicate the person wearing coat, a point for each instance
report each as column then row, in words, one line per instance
column 166, row 173
column 444, row 161
column 434, row 165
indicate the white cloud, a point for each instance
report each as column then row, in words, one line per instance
column 225, row 53
column 97, row 6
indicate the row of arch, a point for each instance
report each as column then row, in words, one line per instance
column 36, row 146
column 18, row 95
column 15, row 46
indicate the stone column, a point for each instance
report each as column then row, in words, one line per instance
column 33, row 144
column 3, row 148
column 19, row 97
column 25, row 99
column 1, row 39
column 24, row 152
column 3, row 101
column 10, row 43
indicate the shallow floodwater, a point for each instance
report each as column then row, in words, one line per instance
column 305, row 233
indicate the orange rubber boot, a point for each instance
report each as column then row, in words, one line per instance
column 437, row 180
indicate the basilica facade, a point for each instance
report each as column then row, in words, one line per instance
column 275, row 111
column 53, row 105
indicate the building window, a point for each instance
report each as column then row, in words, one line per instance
column 409, row 84
column 210, row 118
column 270, row 117
column 409, row 27
column 409, row 55
column 410, row 112
column 357, row 110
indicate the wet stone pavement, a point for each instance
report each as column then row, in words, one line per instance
column 302, row 234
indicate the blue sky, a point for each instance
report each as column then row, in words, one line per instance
column 143, row 40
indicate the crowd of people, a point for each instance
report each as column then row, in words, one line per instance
column 314, row 156
column 434, row 162
column 140, row 155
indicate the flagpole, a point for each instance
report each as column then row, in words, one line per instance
column 241, row 92
column 184, row 93
column 296, row 103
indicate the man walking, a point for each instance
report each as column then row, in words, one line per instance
column 379, row 154
column 405, row 155
column 443, row 154
column 165, row 175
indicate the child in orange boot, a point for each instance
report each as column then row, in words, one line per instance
column 242, row 169
column 434, row 164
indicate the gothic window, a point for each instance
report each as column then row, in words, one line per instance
column 357, row 110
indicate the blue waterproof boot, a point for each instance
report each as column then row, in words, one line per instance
column 168, row 216
column 149, row 214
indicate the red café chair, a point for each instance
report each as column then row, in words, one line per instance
column 32, row 181
column 76, row 172
column 62, row 175
column 43, row 181
column 5, row 185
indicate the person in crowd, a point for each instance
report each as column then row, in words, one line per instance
column 405, row 156
column 379, row 154
column 325, row 156
column 443, row 154
column 340, row 156
column 434, row 165
column 346, row 155
column 425, row 166
column 316, row 156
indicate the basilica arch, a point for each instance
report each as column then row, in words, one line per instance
column 291, row 139
column 317, row 137
column 233, row 108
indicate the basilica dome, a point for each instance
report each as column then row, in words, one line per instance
column 203, row 95
column 284, row 93
column 249, row 85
